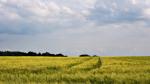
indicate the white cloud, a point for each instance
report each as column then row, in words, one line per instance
column 8, row 15
column 75, row 25
column 53, row 6
column 90, row 3
column 86, row 12
column 3, row 1
column 147, row 2
column 134, row 2
column 13, row 16
column 146, row 12
column 68, row 10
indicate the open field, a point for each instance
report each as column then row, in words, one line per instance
column 74, row 70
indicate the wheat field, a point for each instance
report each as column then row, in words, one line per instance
column 74, row 70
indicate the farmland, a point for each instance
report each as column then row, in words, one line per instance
column 74, row 70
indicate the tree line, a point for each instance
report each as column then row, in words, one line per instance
column 30, row 53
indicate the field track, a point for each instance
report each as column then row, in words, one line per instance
column 74, row 70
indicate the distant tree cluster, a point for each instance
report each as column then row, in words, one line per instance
column 18, row 53
column 86, row 55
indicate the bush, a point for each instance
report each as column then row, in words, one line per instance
column 84, row 55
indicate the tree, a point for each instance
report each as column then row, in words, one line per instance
column 59, row 55
column 39, row 54
column 32, row 53
column 84, row 55
column 95, row 56
column 46, row 54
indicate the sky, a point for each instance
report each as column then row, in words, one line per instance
column 73, row 27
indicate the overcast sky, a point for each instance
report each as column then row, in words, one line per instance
column 102, row 27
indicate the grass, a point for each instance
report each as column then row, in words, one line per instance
column 74, row 70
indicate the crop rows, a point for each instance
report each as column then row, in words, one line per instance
column 75, row 70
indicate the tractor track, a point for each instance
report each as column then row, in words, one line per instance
column 76, row 64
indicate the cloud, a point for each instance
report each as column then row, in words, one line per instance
column 76, row 26
column 146, row 13
column 118, row 11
